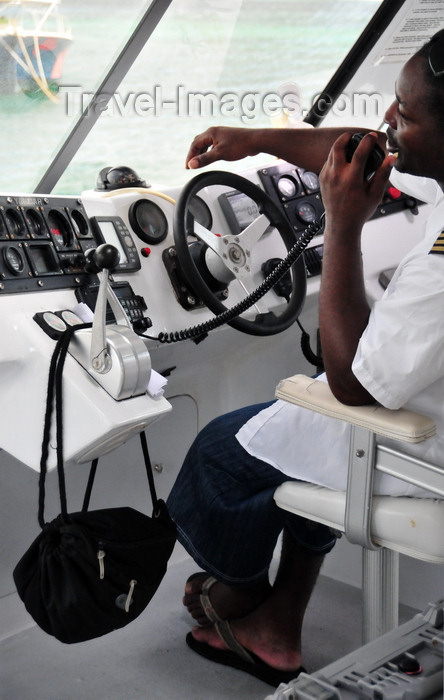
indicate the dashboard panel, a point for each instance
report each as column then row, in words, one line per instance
column 149, row 216
column 46, row 272
column 44, row 241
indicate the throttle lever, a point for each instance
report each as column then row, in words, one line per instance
column 104, row 258
column 115, row 356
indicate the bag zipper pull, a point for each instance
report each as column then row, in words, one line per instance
column 101, row 558
column 130, row 595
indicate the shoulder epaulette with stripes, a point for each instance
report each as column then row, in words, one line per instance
column 438, row 246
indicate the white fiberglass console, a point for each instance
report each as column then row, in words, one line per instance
column 158, row 266
column 44, row 245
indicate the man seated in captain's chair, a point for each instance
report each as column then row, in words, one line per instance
column 393, row 354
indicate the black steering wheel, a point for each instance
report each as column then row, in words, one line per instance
column 222, row 259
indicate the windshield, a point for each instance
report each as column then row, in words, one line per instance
column 236, row 62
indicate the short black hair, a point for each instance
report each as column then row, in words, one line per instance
column 435, row 84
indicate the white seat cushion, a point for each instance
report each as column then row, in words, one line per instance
column 412, row 526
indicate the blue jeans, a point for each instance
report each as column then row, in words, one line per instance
column 222, row 503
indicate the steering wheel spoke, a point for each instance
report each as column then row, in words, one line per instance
column 253, row 232
column 210, row 239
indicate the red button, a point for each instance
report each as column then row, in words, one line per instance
column 146, row 252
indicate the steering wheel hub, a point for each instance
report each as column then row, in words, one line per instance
column 237, row 255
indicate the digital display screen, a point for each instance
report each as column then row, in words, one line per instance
column 43, row 260
column 244, row 209
column 110, row 235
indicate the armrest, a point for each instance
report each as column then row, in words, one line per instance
column 315, row 395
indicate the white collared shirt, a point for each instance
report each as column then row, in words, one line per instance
column 399, row 360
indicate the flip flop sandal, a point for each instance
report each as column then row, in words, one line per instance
column 238, row 657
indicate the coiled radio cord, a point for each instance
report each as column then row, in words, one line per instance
column 199, row 332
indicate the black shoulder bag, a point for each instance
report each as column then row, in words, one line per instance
column 90, row 572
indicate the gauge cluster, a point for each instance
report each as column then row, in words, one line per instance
column 296, row 190
column 43, row 241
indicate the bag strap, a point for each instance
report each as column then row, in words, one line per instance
column 89, row 485
column 55, row 398
column 149, row 473
column 46, row 431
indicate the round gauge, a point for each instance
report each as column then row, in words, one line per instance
column 200, row 212
column 287, row 186
column 310, row 180
column 36, row 224
column 60, row 229
column 148, row 221
column 306, row 212
column 13, row 260
column 79, row 223
column 16, row 225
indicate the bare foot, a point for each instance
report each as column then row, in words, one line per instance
column 227, row 602
column 261, row 636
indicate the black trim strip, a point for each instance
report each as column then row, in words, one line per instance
column 359, row 51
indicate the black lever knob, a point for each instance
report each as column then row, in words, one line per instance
column 104, row 257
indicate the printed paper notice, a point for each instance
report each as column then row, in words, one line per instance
column 424, row 18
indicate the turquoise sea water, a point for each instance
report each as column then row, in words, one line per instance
column 201, row 46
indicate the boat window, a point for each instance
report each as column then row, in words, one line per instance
column 233, row 62
column 49, row 50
